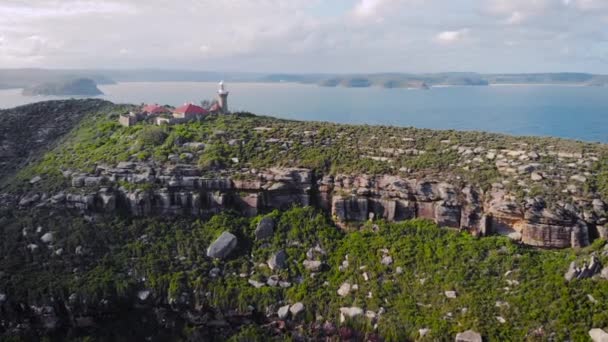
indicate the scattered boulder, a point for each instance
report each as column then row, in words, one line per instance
column 223, row 246
column 79, row 250
column 29, row 200
column 255, row 283
column 350, row 312
column 278, row 261
column 450, row 294
column 387, row 260
column 579, row 178
column 469, row 336
column 283, row 312
column 598, row 335
column 143, row 295
column 296, row 309
column 47, row 238
column 536, row 176
column 265, row 229
column 313, row 265
column 344, row 290
column 273, row 280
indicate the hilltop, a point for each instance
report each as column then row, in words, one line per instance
column 256, row 228
column 73, row 87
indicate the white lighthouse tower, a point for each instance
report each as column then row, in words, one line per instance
column 222, row 95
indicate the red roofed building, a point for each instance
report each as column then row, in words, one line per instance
column 154, row 109
column 189, row 111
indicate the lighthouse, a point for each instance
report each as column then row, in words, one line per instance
column 222, row 95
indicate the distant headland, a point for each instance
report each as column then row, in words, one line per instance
column 24, row 78
column 75, row 87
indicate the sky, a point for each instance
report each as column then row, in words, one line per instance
column 304, row 36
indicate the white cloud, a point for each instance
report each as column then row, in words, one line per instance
column 369, row 8
column 452, row 36
column 301, row 35
column 20, row 11
column 516, row 18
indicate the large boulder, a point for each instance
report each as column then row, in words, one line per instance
column 469, row 336
column 223, row 246
column 265, row 229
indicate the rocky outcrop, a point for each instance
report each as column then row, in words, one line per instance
column 587, row 270
column 184, row 190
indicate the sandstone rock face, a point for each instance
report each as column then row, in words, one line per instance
column 221, row 248
column 351, row 199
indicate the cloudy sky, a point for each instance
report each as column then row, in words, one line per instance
column 307, row 35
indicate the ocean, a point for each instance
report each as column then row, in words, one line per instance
column 574, row 112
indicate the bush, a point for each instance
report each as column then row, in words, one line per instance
column 152, row 136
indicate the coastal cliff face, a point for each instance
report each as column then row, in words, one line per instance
column 144, row 190
column 541, row 191
column 169, row 233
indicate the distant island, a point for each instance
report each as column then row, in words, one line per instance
column 425, row 81
column 76, row 87
column 26, row 78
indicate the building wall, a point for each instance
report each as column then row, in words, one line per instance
column 127, row 120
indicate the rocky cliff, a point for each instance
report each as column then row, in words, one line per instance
column 143, row 189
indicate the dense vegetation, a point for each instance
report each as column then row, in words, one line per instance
column 492, row 276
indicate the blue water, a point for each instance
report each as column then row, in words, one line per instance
column 561, row 111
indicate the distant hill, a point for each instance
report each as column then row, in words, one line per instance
column 399, row 80
column 22, row 78
column 76, row 87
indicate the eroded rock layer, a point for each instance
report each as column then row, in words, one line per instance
column 143, row 190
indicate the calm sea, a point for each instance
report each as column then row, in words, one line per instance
column 561, row 111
